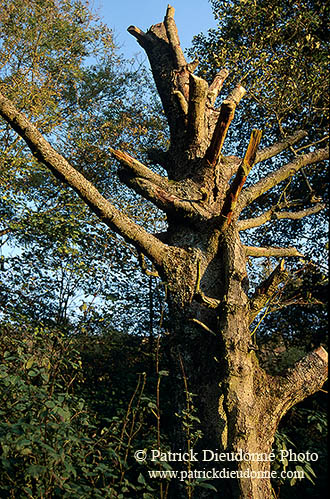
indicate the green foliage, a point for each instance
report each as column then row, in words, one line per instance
column 191, row 426
column 76, row 408
column 43, row 45
column 279, row 51
column 59, row 65
column 303, row 429
column 52, row 443
column 283, row 443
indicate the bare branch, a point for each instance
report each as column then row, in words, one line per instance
column 140, row 35
column 173, row 37
column 137, row 168
column 56, row 163
column 274, row 178
column 203, row 326
column 250, row 223
column 216, row 86
column 311, row 144
column 198, row 89
column 241, row 175
column 275, row 149
column 266, row 290
column 166, row 199
column 296, row 300
column 297, row 215
column 3, row 232
column 227, row 112
column 305, row 378
column 259, row 252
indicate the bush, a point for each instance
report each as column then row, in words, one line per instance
column 52, row 444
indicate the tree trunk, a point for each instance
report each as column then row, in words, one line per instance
column 213, row 342
column 238, row 403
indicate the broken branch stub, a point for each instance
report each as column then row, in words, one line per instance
column 242, row 173
column 227, row 112
column 198, row 89
column 173, row 37
column 140, row 35
column 216, row 85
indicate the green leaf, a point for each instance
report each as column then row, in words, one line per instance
column 26, row 451
column 50, row 404
column 35, row 470
column 205, row 485
column 29, row 363
column 141, row 479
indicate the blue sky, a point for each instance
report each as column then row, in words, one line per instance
column 191, row 16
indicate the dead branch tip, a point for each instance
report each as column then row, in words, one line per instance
column 322, row 353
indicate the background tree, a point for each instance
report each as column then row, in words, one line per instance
column 67, row 351
column 277, row 49
column 201, row 256
column 56, row 261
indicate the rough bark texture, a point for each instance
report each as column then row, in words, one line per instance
column 201, row 256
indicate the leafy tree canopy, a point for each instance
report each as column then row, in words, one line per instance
column 59, row 64
column 279, row 51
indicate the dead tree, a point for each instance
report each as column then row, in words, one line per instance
column 201, row 256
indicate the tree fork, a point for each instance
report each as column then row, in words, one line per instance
column 165, row 199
